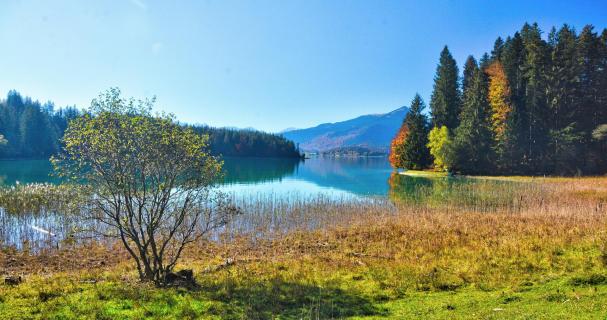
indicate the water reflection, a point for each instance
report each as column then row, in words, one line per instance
column 455, row 192
column 26, row 171
column 257, row 170
column 249, row 180
column 357, row 176
column 365, row 176
column 43, row 229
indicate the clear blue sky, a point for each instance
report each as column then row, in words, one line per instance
column 263, row 64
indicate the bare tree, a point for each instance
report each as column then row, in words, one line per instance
column 150, row 180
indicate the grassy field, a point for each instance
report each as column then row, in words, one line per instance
column 518, row 249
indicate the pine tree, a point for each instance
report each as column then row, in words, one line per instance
column 485, row 61
column 37, row 138
column 498, row 48
column 470, row 67
column 512, row 58
column 602, row 82
column 562, row 85
column 534, row 72
column 590, row 95
column 415, row 153
column 601, row 145
column 472, row 146
column 445, row 103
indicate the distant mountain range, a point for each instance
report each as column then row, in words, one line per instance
column 374, row 132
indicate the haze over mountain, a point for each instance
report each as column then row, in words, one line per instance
column 374, row 131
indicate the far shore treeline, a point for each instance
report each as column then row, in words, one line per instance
column 32, row 130
column 534, row 105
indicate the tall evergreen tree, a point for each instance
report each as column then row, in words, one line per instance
column 415, row 153
column 473, row 138
column 498, row 48
column 470, row 67
column 591, row 95
column 602, row 83
column 512, row 58
column 534, row 72
column 38, row 138
column 561, row 90
column 445, row 103
column 485, row 61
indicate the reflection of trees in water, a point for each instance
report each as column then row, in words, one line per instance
column 247, row 170
column 458, row 192
column 410, row 190
column 26, row 171
column 358, row 175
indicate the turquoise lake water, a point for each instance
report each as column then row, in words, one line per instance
column 251, row 176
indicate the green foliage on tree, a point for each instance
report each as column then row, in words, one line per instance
column 470, row 67
column 562, row 90
column 548, row 99
column 440, row 145
column 534, row 67
column 473, row 141
column 498, row 48
column 31, row 129
column 415, row 154
column 248, row 143
column 445, row 102
column 514, row 156
column 149, row 178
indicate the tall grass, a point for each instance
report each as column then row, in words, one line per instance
column 40, row 197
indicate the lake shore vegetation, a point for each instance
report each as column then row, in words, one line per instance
column 508, row 248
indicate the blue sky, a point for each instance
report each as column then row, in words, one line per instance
column 263, row 64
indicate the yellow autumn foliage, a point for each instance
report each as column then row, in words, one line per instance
column 499, row 99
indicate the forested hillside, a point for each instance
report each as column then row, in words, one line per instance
column 30, row 129
column 536, row 105
column 248, row 143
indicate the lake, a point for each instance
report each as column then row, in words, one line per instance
column 335, row 177
column 277, row 186
column 246, row 179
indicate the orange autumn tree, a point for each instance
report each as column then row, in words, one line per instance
column 499, row 100
column 397, row 147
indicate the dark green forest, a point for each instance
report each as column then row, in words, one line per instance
column 537, row 104
column 32, row 130
column 247, row 142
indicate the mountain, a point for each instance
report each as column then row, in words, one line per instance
column 374, row 131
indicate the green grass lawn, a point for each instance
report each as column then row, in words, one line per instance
column 282, row 297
